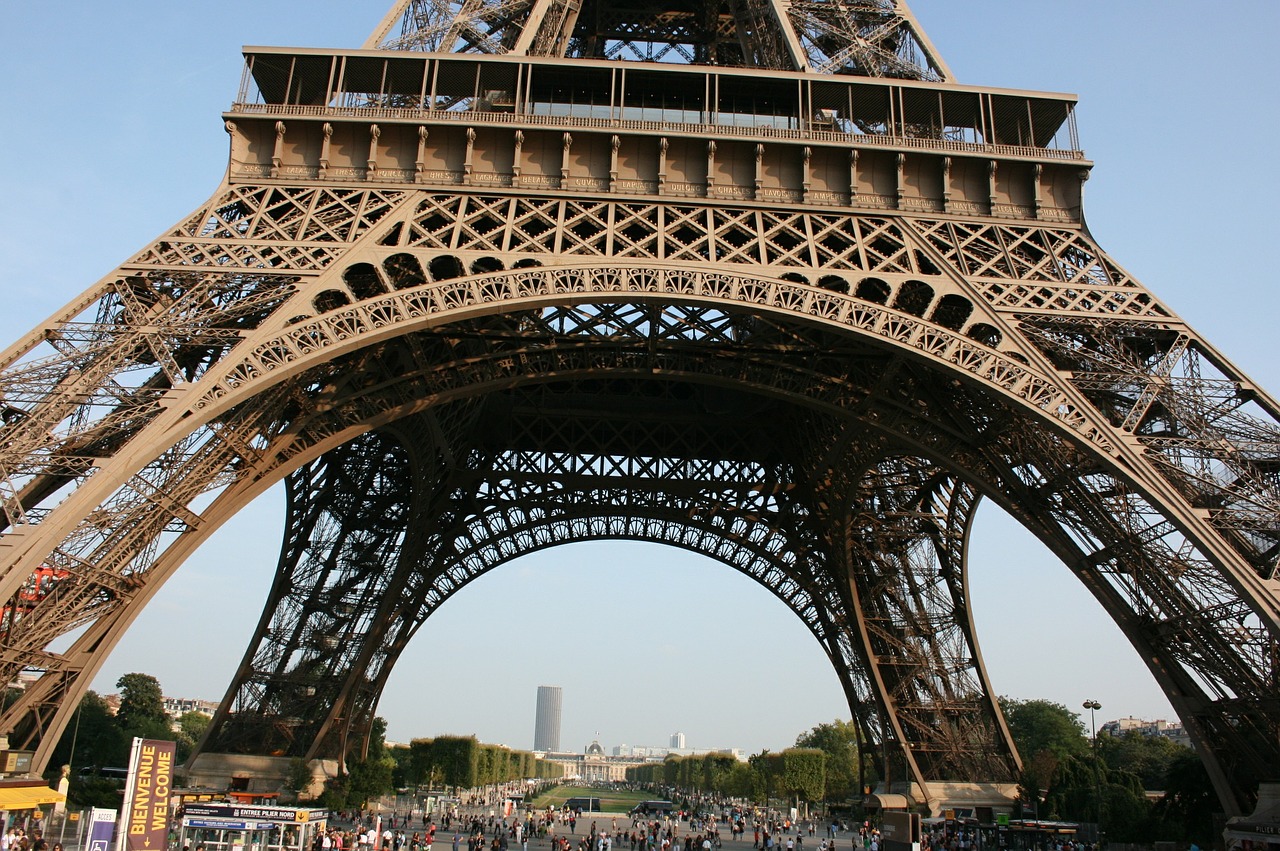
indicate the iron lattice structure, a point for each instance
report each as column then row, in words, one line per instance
column 776, row 290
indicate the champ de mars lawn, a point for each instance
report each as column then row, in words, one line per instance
column 611, row 800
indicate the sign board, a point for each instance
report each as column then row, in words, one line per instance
column 248, row 812
column 102, row 829
column 899, row 831
column 146, row 795
column 1260, row 828
column 15, row 762
column 73, row 816
column 229, row 824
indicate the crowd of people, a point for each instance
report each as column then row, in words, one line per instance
column 475, row 823
column 17, row 839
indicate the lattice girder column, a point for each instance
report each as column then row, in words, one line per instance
column 906, row 530
column 328, row 624
column 318, row 619
column 874, row 38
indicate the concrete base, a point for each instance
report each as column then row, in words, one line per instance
column 1260, row 829
column 267, row 774
column 956, row 795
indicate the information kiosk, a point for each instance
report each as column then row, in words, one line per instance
column 240, row 827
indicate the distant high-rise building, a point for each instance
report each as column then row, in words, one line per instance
column 677, row 741
column 546, row 725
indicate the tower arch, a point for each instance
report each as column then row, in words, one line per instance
column 234, row 350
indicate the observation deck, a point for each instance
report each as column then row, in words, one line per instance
column 586, row 126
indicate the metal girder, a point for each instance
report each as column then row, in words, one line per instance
column 342, row 533
column 754, row 348
column 463, row 26
column 811, row 380
column 545, row 481
column 907, row 526
column 873, row 38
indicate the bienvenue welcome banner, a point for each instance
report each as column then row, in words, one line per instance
column 146, row 796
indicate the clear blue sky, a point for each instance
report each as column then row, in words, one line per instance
column 112, row 131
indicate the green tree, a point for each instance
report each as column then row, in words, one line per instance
column 458, row 760
column 1070, row 789
column 191, row 728
column 1076, row 793
column 803, row 774
column 141, row 711
column 762, row 775
column 1189, row 801
column 98, row 739
column 406, row 774
column 839, row 740
column 1048, row 737
column 422, row 767
column 1149, row 757
column 95, row 792
column 671, row 770
column 740, row 782
column 716, row 770
column 1039, row 725
column 1126, row 812
column 334, row 796
column 299, row 778
column 368, row 779
column 371, row 777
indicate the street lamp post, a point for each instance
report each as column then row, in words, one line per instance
column 1093, row 706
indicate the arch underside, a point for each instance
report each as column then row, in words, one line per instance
column 678, row 463
column 824, row 435
column 894, row 467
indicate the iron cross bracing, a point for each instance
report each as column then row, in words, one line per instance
column 774, row 289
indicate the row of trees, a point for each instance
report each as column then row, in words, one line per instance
column 797, row 773
column 463, row 761
column 712, row 772
column 1064, row 777
column 99, row 738
column 449, row 761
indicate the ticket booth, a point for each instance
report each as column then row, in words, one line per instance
column 21, row 802
column 238, row 827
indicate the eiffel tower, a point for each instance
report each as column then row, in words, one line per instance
column 753, row 278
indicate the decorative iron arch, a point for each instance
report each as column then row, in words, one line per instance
column 740, row 513
column 1060, row 416
column 912, row 288
column 615, row 308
